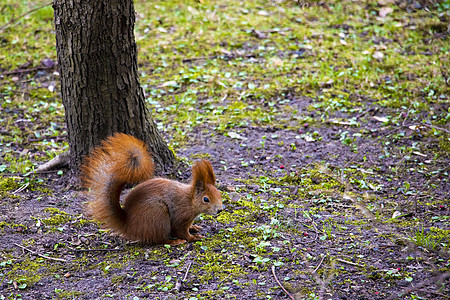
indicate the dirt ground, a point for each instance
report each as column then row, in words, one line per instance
column 333, row 168
column 324, row 232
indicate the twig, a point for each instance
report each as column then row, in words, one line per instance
column 21, row 188
column 364, row 113
column 40, row 255
column 435, row 127
column 279, row 283
column 406, row 117
column 20, row 71
column 433, row 292
column 96, row 250
column 187, row 271
column 318, row 266
column 417, row 287
column 317, row 230
column 199, row 58
column 427, row 185
column 426, row 125
column 348, row 262
column 220, row 282
column 180, row 283
column 217, row 56
column 23, row 15
column 444, row 75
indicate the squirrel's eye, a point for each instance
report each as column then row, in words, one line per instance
column 206, row 199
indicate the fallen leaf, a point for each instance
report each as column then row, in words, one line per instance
column 381, row 119
column 277, row 61
column 385, row 2
column 309, row 138
column 235, row 135
column 418, row 153
column 378, row 55
column 167, row 83
column 396, row 214
column 384, row 11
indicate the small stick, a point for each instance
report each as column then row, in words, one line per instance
column 406, row 117
column 318, row 266
column 23, row 15
column 220, row 282
column 40, row 255
column 348, row 262
column 187, row 271
column 317, row 231
column 364, row 113
column 435, row 127
column 279, row 283
column 21, row 188
column 433, row 292
column 216, row 56
column 419, row 286
column 21, row 71
column 95, row 250
column 180, row 283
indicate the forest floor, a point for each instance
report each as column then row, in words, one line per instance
column 327, row 124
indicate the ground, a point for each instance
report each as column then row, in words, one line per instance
column 327, row 125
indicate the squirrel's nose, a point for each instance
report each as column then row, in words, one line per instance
column 221, row 208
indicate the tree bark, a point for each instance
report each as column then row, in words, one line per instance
column 101, row 93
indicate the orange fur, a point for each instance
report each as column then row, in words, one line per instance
column 157, row 211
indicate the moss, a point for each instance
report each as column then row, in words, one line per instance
column 200, row 156
column 30, row 271
column 58, row 217
column 444, row 143
column 21, row 228
column 7, row 185
column 63, row 294
column 117, row 279
column 223, row 80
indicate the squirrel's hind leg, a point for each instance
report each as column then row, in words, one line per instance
column 150, row 223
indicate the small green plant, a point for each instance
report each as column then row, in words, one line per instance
column 425, row 239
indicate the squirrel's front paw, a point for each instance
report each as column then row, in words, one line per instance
column 196, row 237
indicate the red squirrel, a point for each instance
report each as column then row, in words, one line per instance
column 156, row 211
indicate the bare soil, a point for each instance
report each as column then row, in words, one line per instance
column 361, row 255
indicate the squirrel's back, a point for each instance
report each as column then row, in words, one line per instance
column 119, row 160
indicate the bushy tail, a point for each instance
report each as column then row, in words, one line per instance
column 120, row 159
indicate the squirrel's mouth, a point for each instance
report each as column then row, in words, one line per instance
column 219, row 209
column 215, row 210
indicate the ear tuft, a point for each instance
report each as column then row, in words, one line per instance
column 202, row 175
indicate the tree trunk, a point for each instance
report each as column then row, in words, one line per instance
column 101, row 93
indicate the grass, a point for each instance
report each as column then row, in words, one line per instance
column 276, row 83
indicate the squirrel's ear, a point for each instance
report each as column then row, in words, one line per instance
column 209, row 173
column 199, row 186
column 202, row 174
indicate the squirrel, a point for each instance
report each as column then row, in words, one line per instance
column 157, row 210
